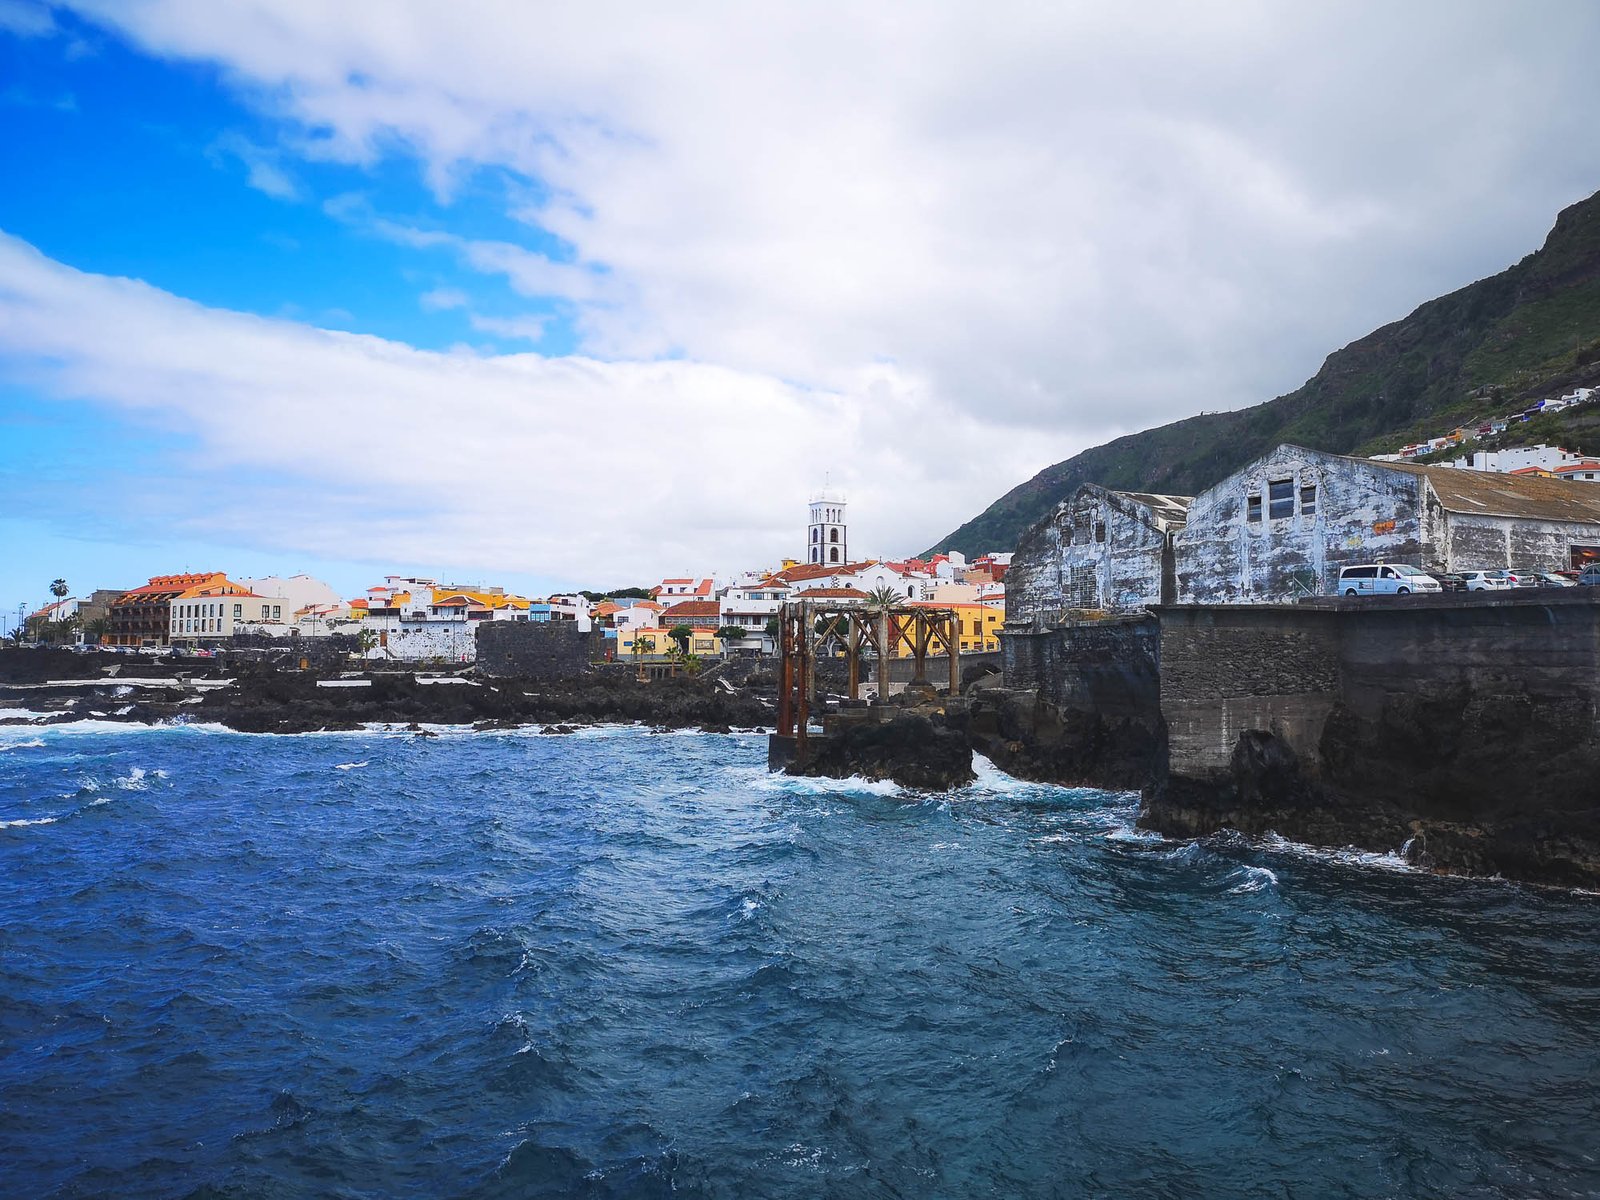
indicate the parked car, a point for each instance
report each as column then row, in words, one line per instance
column 1524, row 577
column 1449, row 581
column 1552, row 579
column 1590, row 574
column 1489, row 581
column 1385, row 579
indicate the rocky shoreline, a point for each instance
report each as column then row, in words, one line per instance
column 254, row 697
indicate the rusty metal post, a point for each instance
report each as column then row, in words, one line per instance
column 785, row 675
column 955, row 652
column 803, row 715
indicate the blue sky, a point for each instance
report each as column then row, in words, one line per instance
column 586, row 298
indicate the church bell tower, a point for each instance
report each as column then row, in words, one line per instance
column 827, row 540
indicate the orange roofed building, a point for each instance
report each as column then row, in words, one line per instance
column 143, row 616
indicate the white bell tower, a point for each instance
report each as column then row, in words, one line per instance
column 827, row 539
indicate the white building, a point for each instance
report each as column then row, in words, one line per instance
column 827, row 534
column 1545, row 458
column 749, row 604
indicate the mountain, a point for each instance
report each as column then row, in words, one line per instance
column 1531, row 331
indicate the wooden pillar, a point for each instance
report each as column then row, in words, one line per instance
column 884, row 651
column 785, row 675
column 955, row 653
column 803, row 716
column 853, row 648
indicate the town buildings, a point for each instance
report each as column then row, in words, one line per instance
column 143, row 616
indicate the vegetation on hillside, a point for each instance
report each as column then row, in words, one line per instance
column 1490, row 348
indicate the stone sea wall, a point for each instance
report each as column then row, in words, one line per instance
column 1466, row 729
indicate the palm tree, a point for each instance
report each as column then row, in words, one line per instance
column 96, row 630
column 883, row 596
column 59, row 588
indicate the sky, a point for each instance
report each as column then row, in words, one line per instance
column 586, row 295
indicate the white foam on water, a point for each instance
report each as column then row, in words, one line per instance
column 350, row 766
column 137, row 779
column 1252, row 879
column 815, row 785
column 23, row 714
column 124, row 710
column 30, row 744
column 18, row 824
column 1132, row 833
column 1348, row 856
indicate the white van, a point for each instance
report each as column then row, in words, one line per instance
column 1385, row 579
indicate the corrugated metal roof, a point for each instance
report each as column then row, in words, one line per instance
column 1492, row 493
column 1173, row 510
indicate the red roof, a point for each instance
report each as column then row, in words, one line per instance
column 834, row 593
column 686, row 610
column 805, row 571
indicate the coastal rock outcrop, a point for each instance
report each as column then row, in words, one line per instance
column 1028, row 736
column 914, row 749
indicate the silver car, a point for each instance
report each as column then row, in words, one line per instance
column 1488, row 581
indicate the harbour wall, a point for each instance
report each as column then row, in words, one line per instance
column 539, row 650
column 1465, row 729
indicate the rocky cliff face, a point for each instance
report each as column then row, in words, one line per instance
column 1534, row 326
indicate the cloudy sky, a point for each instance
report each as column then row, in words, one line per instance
column 564, row 295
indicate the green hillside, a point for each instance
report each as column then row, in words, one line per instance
column 1531, row 331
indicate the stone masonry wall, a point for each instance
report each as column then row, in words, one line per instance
column 541, row 650
column 1464, row 727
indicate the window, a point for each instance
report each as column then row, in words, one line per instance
column 833, row 555
column 1099, row 531
column 816, row 535
column 277, row 612
column 264, row 609
column 833, row 535
column 1280, row 494
column 1308, row 500
column 238, row 612
column 1253, row 507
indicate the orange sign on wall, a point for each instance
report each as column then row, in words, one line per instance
column 1383, row 527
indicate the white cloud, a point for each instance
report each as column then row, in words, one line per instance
column 1065, row 221
column 440, row 299
column 344, row 445
column 25, row 18
column 264, row 170
column 529, row 329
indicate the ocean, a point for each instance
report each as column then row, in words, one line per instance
column 625, row 964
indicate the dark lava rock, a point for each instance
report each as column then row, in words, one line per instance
column 1030, row 738
column 912, row 749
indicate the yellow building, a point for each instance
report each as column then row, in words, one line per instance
column 652, row 642
column 978, row 627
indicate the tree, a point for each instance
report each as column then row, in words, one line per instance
column 883, row 596
column 17, row 636
column 366, row 639
column 59, row 588
column 97, row 630
column 732, row 633
column 681, row 635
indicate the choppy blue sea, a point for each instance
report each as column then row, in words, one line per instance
column 618, row 964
